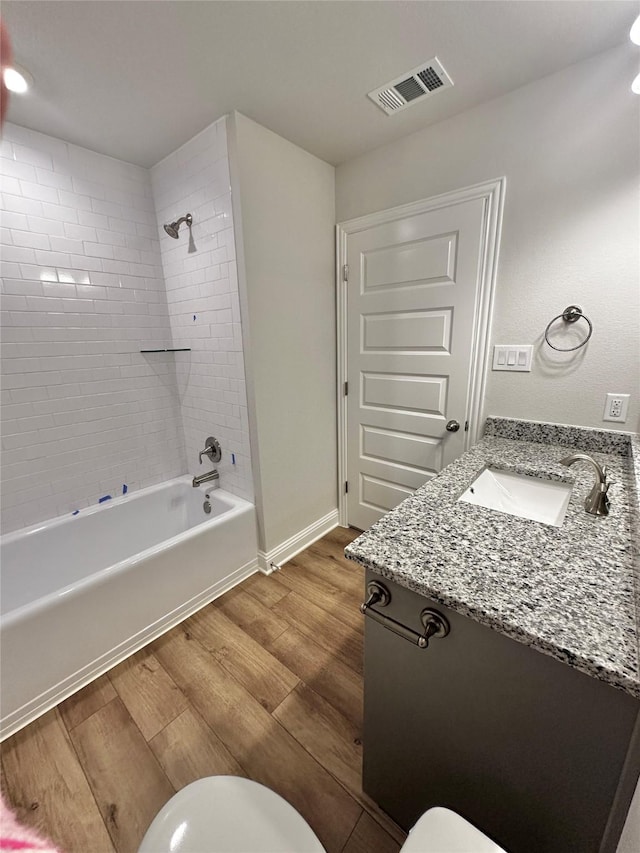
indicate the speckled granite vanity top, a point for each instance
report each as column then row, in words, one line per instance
column 569, row 591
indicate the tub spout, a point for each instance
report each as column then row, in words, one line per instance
column 205, row 478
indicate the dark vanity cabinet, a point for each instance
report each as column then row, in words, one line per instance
column 540, row 757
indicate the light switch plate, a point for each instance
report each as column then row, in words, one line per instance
column 513, row 357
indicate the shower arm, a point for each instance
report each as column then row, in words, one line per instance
column 172, row 228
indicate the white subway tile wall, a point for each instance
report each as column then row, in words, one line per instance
column 202, row 295
column 83, row 412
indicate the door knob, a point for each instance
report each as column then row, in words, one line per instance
column 453, row 426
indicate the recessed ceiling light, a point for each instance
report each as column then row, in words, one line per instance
column 634, row 35
column 635, row 86
column 17, row 79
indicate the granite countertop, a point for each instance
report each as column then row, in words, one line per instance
column 570, row 592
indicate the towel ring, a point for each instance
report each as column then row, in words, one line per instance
column 571, row 314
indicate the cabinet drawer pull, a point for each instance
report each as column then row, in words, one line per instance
column 435, row 624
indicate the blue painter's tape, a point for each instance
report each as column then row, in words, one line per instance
column 75, row 512
column 104, row 498
column 125, row 488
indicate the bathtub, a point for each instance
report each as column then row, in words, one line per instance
column 81, row 593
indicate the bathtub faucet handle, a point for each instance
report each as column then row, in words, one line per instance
column 212, row 449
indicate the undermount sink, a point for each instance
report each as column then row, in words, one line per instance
column 520, row 495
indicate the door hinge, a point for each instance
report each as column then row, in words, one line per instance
column 466, row 426
column 346, row 389
column 346, row 487
column 345, row 272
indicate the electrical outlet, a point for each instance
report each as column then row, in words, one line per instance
column 615, row 408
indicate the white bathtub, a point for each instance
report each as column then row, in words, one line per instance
column 81, row 593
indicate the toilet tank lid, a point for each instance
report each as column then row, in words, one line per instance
column 441, row 830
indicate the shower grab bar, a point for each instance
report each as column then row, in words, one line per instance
column 434, row 623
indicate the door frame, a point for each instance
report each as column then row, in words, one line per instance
column 492, row 192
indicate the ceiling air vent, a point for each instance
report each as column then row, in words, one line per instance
column 411, row 87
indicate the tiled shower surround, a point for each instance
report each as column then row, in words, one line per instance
column 202, row 296
column 83, row 411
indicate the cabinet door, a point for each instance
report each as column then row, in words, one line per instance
column 525, row 747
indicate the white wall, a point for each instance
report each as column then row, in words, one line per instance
column 569, row 146
column 82, row 411
column 284, row 200
column 204, row 311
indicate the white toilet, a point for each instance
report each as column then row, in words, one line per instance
column 228, row 814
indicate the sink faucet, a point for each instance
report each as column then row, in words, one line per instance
column 597, row 501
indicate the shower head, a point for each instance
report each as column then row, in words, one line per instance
column 172, row 228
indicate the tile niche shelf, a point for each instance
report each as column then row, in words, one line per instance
column 176, row 349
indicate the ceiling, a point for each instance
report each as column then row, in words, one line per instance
column 135, row 80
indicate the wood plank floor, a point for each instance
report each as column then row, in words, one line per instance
column 266, row 683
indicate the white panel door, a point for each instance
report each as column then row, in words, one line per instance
column 411, row 303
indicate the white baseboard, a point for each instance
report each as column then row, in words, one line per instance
column 270, row 561
column 70, row 685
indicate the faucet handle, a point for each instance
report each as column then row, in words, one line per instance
column 606, row 481
column 212, row 449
